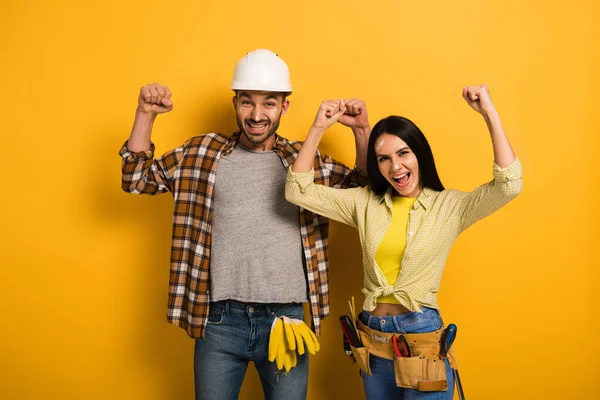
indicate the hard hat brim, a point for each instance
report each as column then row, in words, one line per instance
column 262, row 88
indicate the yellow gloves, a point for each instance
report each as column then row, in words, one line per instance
column 288, row 336
column 297, row 334
column 278, row 351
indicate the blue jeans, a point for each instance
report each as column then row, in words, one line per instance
column 381, row 385
column 236, row 334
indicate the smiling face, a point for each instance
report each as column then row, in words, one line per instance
column 258, row 114
column 398, row 165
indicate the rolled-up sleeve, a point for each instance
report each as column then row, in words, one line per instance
column 142, row 174
column 490, row 197
column 337, row 204
column 512, row 176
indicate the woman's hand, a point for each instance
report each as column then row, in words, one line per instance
column 478, row 97
column 329, row 113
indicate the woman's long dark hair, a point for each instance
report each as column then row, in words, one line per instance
column 406, row 130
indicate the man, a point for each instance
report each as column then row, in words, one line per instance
column 241, row 255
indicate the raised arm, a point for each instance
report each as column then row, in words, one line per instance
column 507, row 182
column 141, row 173
column 337, row 204
column 329, row 113
column 154, row 99
column 478, row 97
column 356, row 118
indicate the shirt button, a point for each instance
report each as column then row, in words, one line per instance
column 411, row 233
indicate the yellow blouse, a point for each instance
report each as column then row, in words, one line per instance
column 391, row 249
column 434, row 222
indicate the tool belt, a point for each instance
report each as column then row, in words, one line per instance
column 424, row 370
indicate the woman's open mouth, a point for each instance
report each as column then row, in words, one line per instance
column 402, row 180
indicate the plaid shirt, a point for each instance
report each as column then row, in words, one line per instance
column 189, row 173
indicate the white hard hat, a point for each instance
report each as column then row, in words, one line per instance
column 262, row 70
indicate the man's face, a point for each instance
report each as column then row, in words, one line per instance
column 258, row 114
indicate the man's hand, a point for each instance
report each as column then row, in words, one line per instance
column 355, row 116
column 154, row 99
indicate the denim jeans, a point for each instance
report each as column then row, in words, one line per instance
column 381, row 385
column 236, row 334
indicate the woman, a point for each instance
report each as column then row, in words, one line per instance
column 407, row 223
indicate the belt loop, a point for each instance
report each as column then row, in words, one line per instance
column 227, row 307
column 268, row 309
column 397, row 324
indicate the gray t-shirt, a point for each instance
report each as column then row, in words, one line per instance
column 256, row 248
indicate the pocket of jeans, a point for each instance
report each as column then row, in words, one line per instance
column 421, row 323
column 216, row 316
column 422, row 373
column 361, row 355
column 417, row 324
column 292, row 311
column 436, row 320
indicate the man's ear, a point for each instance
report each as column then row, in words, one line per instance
column 285, row 106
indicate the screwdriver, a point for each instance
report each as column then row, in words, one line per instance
column 447, row 339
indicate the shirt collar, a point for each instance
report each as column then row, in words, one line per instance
column 280, row 145
column 424, row 200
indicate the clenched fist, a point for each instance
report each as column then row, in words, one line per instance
column 351, row 113
column 478, row 97
column 355, row 115
column 155, row 99
column 329, row 113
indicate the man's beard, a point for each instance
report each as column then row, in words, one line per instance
column 262, row 138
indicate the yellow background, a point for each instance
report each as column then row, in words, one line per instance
column 84, row 272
